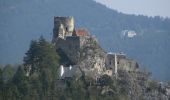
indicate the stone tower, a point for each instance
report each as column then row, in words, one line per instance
column 63, row 26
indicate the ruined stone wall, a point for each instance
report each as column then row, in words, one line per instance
column 127, row 64
column 63, row 26
column 70, row 46
column 123, row 63
column 67, row 22
column 110, row 61
column 73, row 48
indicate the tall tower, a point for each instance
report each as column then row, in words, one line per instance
column 63, row 26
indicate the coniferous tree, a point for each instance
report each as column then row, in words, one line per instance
column 1, row 80
column 1, row 84
column 43, row 59
column 40, row 55
column 31, row 58
column 8, row 72
column 21, row 81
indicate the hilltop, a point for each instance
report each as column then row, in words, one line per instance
column 75, row 67
column 22, row 20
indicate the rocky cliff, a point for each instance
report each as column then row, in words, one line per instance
column 118, row 75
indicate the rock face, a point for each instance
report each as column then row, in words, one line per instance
column 140, row 87
column 92, row 58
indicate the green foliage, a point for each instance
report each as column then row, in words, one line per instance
column 10, row 92
column 94, row 42
column 152, row 85
column 46, row 80
column 80, row 89
column 41, row 83
column 8, row 72
column 1, row 66
column 44, row 61
column 31, row 55
column 21, row 81
column 1, row 79
column 41, row 54
column 106, row 80
column 43, row 88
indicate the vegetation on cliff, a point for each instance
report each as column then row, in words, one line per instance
column 23, row 20
column 43, row 60
column 42, row 82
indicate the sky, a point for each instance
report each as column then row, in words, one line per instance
column 144, row 7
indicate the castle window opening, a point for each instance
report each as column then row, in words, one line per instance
column 66, row 28
column 110, row 63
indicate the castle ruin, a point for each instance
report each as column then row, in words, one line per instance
column 82, row 50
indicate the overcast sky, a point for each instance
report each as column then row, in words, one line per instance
column 145, row 7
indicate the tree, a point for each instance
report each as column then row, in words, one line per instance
column 43, row 59
column 42, row 55
column 48, row 56
column 1, row 80
column 8, row 73
column 10, row 92
column 106, row 80
column 21, row 81
column 31, row 55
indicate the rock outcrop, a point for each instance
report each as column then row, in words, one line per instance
column 81, row 50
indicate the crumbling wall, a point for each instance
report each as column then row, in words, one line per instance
column 67, row 22
column 70, row 46
column 127, row 65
